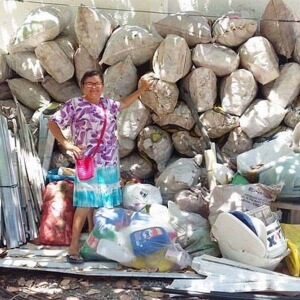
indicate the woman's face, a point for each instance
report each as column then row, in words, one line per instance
column 92, row 88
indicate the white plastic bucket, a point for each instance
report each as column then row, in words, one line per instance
column 276, row 243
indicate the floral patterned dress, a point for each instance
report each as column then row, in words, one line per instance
column 86, row 122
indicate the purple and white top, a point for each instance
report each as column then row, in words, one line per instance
column 86, row 120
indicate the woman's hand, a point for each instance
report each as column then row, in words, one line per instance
column 145, row 84
column 76, row 150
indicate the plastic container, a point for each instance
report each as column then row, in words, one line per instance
column 286, row 169
column 53, row 175
column 149, row 240
column 112, row 250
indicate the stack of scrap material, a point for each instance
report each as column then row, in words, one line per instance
column 21, row 183
column 224, row 275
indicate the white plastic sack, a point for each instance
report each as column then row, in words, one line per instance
column 260, row 117
column 192, row 26
column 29, row 93
column 203, row 98
column 126, row 146
column 285, row 88
column 188, row 145
column 279, row 25
column 61, row 92
column 217, row 124
column 221, row 59
column 84, row 62
column 92, row 29
column 258, row 56
column 181, row 118
column 237, row 143
column 161, row 97
column 120, row 80
column 134, row 166
column 137, row 196
column 155, row 143
column 27, row 65
column 232, row 30
column 55, row 61
column 259, row 159
column 178, row 175
column 282, row 134
column 41, row 24
column 130, row 40
column 173, row 67
column 132, row 120
column 237, row 91
column 193, row 231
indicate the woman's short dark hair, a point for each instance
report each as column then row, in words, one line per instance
column 91, row 74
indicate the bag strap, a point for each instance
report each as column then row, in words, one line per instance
column 102, row 131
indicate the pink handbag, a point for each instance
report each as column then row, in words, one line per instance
column 85, row 166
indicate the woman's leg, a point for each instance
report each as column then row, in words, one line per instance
column 78, row 222
column 90, row 219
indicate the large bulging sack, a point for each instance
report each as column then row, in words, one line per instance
column 222, row 60
column 132, row 120
column 203, row 98
column 232, row 29
column 161, row 97
column 68, row 45
column 285, row 88
column 84, row 62
column 134, row 166
column 55, row 61
column 188, row 145
column 126, row 146
column 120, row 80
column 131, row 40
column 61, row 92
column 260, row 117
column 179, row 175
column 280, row 26
column 217, row 124
column 180, row 118
column 41, row 24
column 27, row 65
column 137, row 196
column 173, row 67
column 156, row 144
column 29, row 93
column 238, row 142
column 258, row 56
column 237, row 91
column 194, row 28
column 92, row 29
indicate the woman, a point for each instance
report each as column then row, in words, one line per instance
column 85, row 115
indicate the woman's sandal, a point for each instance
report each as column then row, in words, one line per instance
column 74, row 259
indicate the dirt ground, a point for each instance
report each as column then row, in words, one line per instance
column 16, row 285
